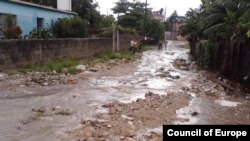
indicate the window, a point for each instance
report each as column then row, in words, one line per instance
column 39, row 22
column 7, row 21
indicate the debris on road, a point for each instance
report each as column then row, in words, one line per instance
column 3, row 76
column 80, row 68
column 126, row 120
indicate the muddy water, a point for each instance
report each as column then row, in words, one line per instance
column 83, row 100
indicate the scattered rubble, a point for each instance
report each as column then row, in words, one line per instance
column 181, row 64
column 194, row 114
column 3, row 76
column 93, row 69
column 124, row 121
column 38, row 113
column 80, row 68
column 165, row 74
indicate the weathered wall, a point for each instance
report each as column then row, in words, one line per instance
column 18, row 53
column 232, row 60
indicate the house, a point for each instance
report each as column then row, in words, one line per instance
column 29, row 16
column 178, row 22
column 159, row 15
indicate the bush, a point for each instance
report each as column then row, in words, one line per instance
column 207, row 55
column 41, row 33
column 57, row 66
column 69, row 28
column 13, row 33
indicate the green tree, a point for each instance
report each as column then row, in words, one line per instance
column 154, row 29
column 220, row 28
column 107, row 21
column 52, row 3
column 132, row 17
column 69, row 28
column 172, row 19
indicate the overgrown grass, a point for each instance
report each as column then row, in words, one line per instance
column 66, row 66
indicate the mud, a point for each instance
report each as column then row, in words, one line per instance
column 128, row 121
column 109, row 98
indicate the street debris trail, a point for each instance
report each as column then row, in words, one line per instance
column 118, row 100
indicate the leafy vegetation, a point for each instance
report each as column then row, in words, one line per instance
column 41, row 33
column 216, row 32
column 132, row 16
column 66, row 65
column 69, row 28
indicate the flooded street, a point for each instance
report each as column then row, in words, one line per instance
column 102, row 103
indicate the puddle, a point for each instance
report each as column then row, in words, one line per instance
column 185, row 114
column 227, row 103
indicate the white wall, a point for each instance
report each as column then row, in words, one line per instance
column 64, row 5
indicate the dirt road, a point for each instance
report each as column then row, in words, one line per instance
column 122, row 101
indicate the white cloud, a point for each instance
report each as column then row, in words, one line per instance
column 181, row 6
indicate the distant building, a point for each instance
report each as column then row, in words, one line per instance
column 159, row 15
column 178, row 22
column 30, row 16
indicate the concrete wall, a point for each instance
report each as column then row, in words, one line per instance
column 19, row 53
column 26, row 16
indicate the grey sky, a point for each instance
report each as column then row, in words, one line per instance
column 180, row 5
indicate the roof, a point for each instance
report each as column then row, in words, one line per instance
column 41, row 6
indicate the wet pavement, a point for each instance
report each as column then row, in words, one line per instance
column 53, row 112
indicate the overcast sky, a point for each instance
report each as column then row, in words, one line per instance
column 181, row 6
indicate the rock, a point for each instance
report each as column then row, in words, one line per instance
column 45, row 84
column 184, row 68
column 248, row 97
column 119, row 109
column 3, row 76
column 80, row 68
column 71, row 81
column 127, row 118
column 122, row 138
column 185, row 89
column 93, row 69
column 175, row 77
column 65, row 70
column 88, row 132
column 161, row 69
column 109, row 126
column 149, row 94
column 54, row 72
column 130, row 139
column 109, row 105
column 105, row 134
column 130, row 123
column 195, row 114
column 246, row 78
column 139, row 100
column 39, row 110
column 163, row 75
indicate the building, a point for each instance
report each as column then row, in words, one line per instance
column 29, row 16
column 159, row 15
column 178, row 22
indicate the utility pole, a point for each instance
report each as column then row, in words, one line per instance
column 145, row 16
column 118, row 36
column 114, row 32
